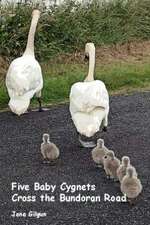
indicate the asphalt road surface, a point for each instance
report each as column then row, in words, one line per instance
column 20, row 160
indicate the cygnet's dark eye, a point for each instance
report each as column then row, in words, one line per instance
column 105, row 157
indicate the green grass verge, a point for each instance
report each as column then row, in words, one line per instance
column 58, row 78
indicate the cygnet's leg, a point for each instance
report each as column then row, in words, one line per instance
column 107, row 173
column 116, row 179
column 53, row 162
column 45, row 161
column 131, row 201
column 86, row 144
column 50, row 162
column 99, row 165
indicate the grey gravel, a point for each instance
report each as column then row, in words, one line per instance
column 20, row 160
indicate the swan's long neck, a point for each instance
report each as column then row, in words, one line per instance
column 90, row 76
column 30, row 43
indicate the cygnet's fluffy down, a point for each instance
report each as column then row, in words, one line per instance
column 99, row 152
column 130, row 185
column 49, row 150
column 111, row 164
column 121, row 171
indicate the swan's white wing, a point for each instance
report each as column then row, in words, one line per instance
column 24, row 77
column 23, row 80
column 88, row 124
column 85, row 96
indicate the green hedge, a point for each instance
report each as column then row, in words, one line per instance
column 68, row 27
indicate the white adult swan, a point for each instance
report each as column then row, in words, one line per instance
column 89, row 102
column 24, row 76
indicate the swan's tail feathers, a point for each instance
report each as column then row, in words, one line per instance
column 19, row 105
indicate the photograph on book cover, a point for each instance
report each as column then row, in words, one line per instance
column 74, row 112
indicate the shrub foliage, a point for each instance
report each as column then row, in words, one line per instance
column 69, row 26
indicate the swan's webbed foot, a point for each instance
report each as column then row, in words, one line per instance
column 41, row 110
column 105, row 129
column 86, row 144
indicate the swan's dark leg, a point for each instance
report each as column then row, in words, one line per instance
column 29, row 110
column 105, row 123
column 40, row 104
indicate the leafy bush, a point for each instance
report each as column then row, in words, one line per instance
column 67, row 27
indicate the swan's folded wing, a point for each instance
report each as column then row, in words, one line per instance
column 89, row 105
column 86, row 96
column 23, row 78
column 88, row 124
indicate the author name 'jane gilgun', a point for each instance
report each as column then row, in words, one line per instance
column 31, row 214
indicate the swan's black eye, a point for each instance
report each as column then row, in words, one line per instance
column 105, row 157
column 86, row 57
